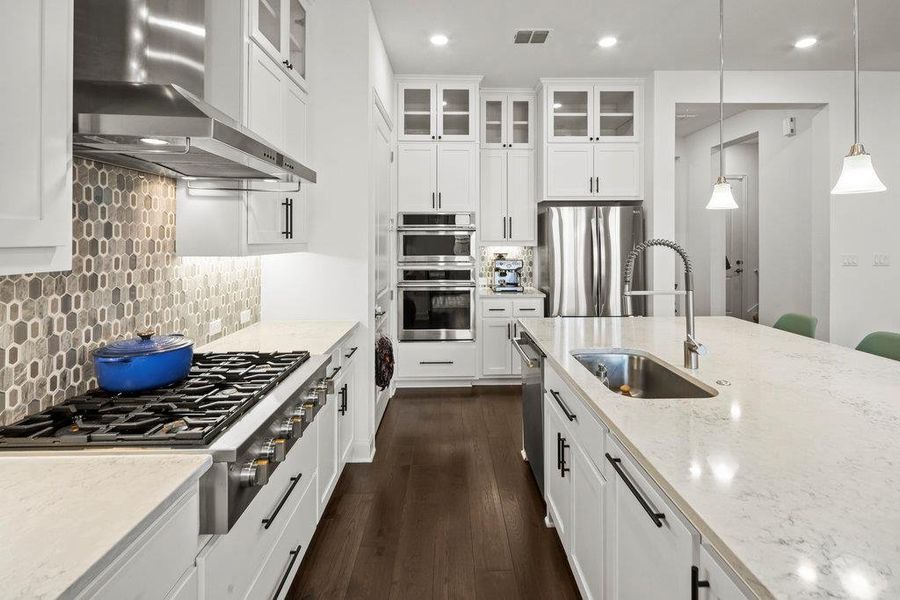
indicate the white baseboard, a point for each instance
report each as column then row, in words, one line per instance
column 549, row 522
column 362, row 452
column 433, row 383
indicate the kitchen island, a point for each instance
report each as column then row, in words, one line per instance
column 790, row 473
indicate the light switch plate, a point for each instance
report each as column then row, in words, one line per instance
column 849, row 260
column 245, row 316
column 215, row 327
column 881, row 260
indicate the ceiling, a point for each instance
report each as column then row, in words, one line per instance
column 653, row 35
column 690, row 118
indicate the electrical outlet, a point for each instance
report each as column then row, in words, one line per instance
column 849, row 260
column 881, row 260
column 215, row 327
column 245, row 316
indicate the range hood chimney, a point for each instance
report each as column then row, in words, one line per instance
column 139, row 71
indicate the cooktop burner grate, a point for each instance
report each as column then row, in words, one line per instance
column 219, row 389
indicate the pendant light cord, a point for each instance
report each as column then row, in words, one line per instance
column 721, row 88
column 855, row 72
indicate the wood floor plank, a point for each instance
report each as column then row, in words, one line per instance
column 447, row 509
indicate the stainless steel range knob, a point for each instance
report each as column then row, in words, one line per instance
column 255, row 473
column 292, row 427
column 275, row 450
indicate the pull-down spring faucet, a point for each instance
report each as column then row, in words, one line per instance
column 692, row 348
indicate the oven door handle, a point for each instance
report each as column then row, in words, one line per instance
column 436, row 286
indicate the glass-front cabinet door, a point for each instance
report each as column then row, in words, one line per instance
column 615, row 114
column 570, row 114
column 266, row 25
column 296, row 39
column 493, row 119
column 456, row 107
column 520, row 118
column 418, row 118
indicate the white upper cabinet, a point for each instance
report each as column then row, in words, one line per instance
column 569, row 170
column 457, row 189
column 617, row 168
column 417, row 177
column 507, row 120
column 265, row 98
column 592, row 111
column 279, row 27
column 437, row 177
column 432, row 110
column 36, row 170
column 493, row 213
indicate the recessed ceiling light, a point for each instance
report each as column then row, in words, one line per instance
column 607, row 42
column 439, row 39
column 805, row 42
column 557, row 105
column 154, row 141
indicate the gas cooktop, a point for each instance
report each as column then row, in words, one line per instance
column 219, row 389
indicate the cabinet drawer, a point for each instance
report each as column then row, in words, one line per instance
column 349, row 351
column 278, row 568
column 231, row 561
column 528, row 307
column 587, row 430
column 436, row 359
column 496, row 307
column 152, row 566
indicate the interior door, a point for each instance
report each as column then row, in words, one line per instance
column 617, row 169
column 265, row 100
column 520, row 206
column 493, row 195
column 456, row 186
column 735, row 257
column 570, row 170
column 417, row 177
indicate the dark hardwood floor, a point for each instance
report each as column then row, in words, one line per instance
column 448, row 509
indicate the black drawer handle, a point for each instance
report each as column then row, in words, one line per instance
column 561, row 459
column 435, row 362
column 656, row 517
column 330, row 378
column 294, row 481
column 697, row 583
column 527, row 309
column 569, row 414
column 294, row 554
column 496, row 309
column 352, row 352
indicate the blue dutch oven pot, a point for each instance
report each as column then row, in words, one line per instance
column 143, row 363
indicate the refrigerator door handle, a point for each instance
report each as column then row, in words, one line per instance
column 595, row 262
column 604, row 247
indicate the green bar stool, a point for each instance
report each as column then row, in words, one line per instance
column 797, row 323
column 881, row 343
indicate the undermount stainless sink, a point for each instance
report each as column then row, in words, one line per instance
column 637, row 374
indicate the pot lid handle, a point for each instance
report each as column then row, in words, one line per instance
column 145, row 334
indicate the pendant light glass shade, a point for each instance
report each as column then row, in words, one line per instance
column 722, row 198
column 857, row 175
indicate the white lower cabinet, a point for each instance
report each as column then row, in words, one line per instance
column 624, row 540
column 187, row 587
column 327, row 447
column 499, row 327
column 434, row 362
column 347, row 396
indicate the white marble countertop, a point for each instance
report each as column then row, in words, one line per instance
column 65, row 517
column 318, row 337
column 529, row 292
column 792, row 473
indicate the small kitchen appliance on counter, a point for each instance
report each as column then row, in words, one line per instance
column 507, row 274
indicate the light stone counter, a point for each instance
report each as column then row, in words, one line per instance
column 64, row 518
column 792, row 472
column 529, row 292
column 318, row 337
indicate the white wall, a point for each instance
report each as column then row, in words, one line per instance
column 859, row 299
column 784, row 192
column 333, row 281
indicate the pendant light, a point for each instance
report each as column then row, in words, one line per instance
column 722, row 198
column 858, row 175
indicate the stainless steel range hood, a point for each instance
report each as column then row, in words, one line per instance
column 139, row 71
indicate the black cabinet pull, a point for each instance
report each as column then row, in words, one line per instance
column 508, row 335
column 569, row 414
column 496, row 309
column 440, row 136
column 432, row 137
column 563, row 469
column 558, row 451
column 290, row 218
column 271, row 519
column 527, row 309
column 294, row 554
column 287, row 220
column 510, row 227
column 343, row 408
column 286, row 62
column 656, row 517
column 352, row 352
column 697, row 583
column 439, row 196
column 433, row 201
column 597, row 187
column 591, row 184
column 504, row 228
column 435, row 362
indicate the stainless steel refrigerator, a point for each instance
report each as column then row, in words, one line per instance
column 581, row 255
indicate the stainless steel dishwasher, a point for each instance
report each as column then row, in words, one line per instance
column 532, row 405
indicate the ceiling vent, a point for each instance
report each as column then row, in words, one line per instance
column 531, row 36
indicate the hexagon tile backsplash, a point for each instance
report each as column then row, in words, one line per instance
column 125, row 276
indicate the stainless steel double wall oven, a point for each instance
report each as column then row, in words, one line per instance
column 436, row 276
